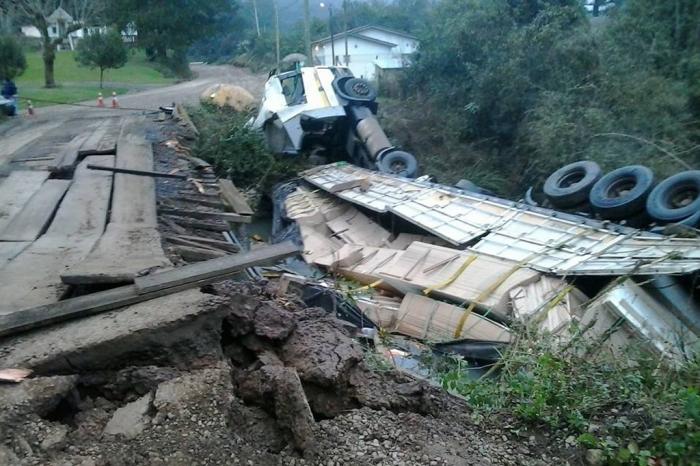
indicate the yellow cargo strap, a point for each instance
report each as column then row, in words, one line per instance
column 452, row 278
column 371, row 285
column 554, row 302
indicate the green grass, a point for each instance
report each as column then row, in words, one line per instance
column 77, row 83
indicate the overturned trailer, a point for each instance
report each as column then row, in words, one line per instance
column 460, row 265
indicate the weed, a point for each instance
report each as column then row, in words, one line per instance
column 634, row 409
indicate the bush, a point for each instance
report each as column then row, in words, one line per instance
column 238, row 152
column 12, row 60
column 632, row 408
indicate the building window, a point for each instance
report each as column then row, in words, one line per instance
column 53, row 29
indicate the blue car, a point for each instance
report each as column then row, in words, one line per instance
column 8, row 106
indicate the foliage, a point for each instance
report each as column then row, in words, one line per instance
column 12, row 60
column 238, row 152
column 632, row 408
column 102, row 51
column 530, row 86
column 167, row 29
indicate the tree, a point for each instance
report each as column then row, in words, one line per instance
column 12, row 61
column 37, row 13
column 103, row 51
column 171, row 26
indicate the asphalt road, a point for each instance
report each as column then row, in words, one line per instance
column 20, row 131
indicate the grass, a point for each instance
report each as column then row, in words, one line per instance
column 77, row 83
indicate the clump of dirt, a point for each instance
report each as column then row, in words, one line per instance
column 290, row 387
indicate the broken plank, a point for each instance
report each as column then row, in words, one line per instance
column 215, row 267
column 204, row 202
column 94, row 144
column 67, row 156
column 226, row 216
column 202, row 241
column 131, row 242
column 16, row 190
column 33, row 219
column 196, row 253
column 185, row 118
column 234, row 198
column 32, row 278
column 200, row 225
column 136, row 172
column 32, row 159
column 362, row 183
column 146, row 288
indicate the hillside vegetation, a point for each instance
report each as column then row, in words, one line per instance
column 509, row 91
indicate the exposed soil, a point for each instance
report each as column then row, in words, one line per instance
column 291, row 387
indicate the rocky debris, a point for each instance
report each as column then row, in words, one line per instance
column 130, row 419
column 280, row 384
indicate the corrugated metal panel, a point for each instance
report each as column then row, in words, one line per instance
column 543, row 239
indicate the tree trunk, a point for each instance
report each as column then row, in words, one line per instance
column 102, row 72
column 49, row 56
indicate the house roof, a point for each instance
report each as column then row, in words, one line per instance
column 59, row 14
column 357, row 33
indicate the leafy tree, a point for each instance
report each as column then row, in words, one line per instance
column 12, row 61
column 37, row 13
column 171, row 26
column 103, row 51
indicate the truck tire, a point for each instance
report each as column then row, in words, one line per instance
column 571, row 184
column 676, row 198
column 360, row 89
column 398, row 163
column 622, row 193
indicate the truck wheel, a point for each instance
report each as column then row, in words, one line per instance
column 355, row 89
column 398, row 163
column 571, row 184
column 622, row 193
column 676, row 198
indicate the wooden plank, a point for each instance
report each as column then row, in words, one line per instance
column 226, row 216
column 131, row 243
column 137, row 172
column 33, row 277
column 146, row 288
column 67, row 156
column 362, row 183
column 215, row 267
column 182, row 114
column 32, row 221
column 234, row 198
column 201, row 201
column 200, row 225
column 92, row 144
column 32, row 159
column 202, row 241
column 197, row 254
column 10, row 250
column 16, row 190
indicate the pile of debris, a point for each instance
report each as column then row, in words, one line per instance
column 442, row 265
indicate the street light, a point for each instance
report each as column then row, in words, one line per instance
column 330, row 26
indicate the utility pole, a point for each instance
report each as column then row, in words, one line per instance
column 307, row 34
column 345, row 18
column 330, row 22
column 257, row 21
column 277, row 32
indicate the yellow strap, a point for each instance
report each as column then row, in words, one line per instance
column 371, row 285
column 451, row 280
column 484, row 294
column 553, row 302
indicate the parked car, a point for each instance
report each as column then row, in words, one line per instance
column 326, row 113
column 8, row 106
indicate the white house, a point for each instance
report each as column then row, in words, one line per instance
column 60, row 20
column 367, row 47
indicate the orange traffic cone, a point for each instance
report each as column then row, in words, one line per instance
column 115, row 102
column 100, row 100
column 30, row 108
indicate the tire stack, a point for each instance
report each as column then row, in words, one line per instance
column 626, row 195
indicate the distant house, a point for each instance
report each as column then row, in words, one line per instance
column 368, row 48
column 60, row 20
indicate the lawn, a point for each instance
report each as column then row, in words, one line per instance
column 77, row 83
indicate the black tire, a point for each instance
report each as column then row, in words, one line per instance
column 359, row 89
column 398, row 163
column 571, row 184
column 622, row 193
column 676, row 198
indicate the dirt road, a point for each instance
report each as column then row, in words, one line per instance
column 48, row 121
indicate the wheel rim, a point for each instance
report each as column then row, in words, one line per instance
column 572, row 178
column 397, row 166
column 360, row 88
column 621, row 188
column 683, row 196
